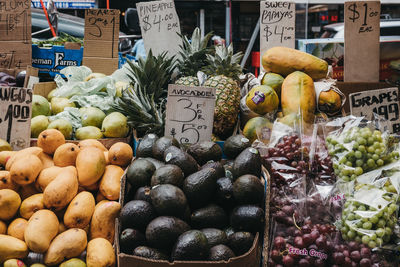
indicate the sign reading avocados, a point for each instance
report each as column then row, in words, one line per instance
column 190, row 113
column 384, row 102
column 160, row 26
column 361, row 29
column 277, row 24
column 15, row 116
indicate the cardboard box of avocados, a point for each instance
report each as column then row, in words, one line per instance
column 250, row 259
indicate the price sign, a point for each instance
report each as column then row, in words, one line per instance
column 361, row 35
column 160, row 26
column 277, row 24
column 15, row 20
column 190, row 113
column 15, row 116
column 384, row 102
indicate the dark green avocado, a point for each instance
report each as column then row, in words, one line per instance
column 145, row 147
column 183, row 160
column 224, row 193
column 162, row 144
column 211, row 216
column 162, row 232
column 156, row 162
column 241, row 242
column 130, row 239
column 247, row 218
column 215, row 236
column 139, row 173
column 191, row 245
column 234, row 145
column 248, row 189
column 168, row 174
column 248, row 162
column 220, row 253
column 168, row 200
column 150, row 253
column 200, row 187
column 229, row 231
column 205, row 151
column 143, row 193
column 216, row 166
column 137, row 214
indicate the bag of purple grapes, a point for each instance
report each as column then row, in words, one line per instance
column 358, row 145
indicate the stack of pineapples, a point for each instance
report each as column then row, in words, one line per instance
column 144, row 103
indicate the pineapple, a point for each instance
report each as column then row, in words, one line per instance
column 192, row 58
column 224, row 70
column 144, row 102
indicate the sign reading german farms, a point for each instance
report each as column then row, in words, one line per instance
column 160, row 26
column 15, row 116
column 277, row 26
column 383, row 102
column 190, row 113
column 361, row 41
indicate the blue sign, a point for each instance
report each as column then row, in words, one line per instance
column 77, row 4
column 52, row 60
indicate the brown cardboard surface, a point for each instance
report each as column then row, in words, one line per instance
column 15, row 55
column 70, row 45
column 94, row 48
column 101, row 25
column 361, row 35
column 44, row 88
column 354, row 87
column 15, row 20
column 102, row 65
column 30, row 71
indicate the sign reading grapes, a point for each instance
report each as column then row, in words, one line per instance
column 190, row 113
column 277, row 26
column 15, row 116
column 384, row 102
column 160, row 26
column 361, row 35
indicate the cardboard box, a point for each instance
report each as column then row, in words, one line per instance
column 100, row 64
column 332, row 50
column 250, row 259
column 106, row 49
column 52, row 60
column 15, row 54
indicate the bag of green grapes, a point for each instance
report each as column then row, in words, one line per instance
column 358, row 145
column 370, row 212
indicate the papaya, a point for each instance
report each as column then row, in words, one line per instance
column 284, row 60
column 262, row 99
column 298, row 96
column 329, row 102
column 254, row 124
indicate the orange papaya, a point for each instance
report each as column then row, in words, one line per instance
column 284, row 60
column 329, row 101
column 298, row 96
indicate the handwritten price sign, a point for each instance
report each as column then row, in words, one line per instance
column 15, row 20
column 160, row 26
column 384, row 102
column 15, row 116
column 277, row 24
column 362, row 26
column 190, row 113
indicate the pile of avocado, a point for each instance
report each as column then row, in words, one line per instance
column 189, row 204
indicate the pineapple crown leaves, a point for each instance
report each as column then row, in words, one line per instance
column 224, row 62
column 153, row 74
column 193, row 53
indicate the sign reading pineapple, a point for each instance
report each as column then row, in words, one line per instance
column 160, row 26
column 15, row 116
column 190, row 113
column 277, row 24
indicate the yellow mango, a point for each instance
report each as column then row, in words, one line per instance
column 120, row 154
column 5, row 156
column 3, row 228
column 31, row 205
column 17, row 228
column 103, row 220
column 91, row 143
column 298, row 96
column 22, row 153
column 26, row 169
column 6, row 182
column 80, row 211
column 46, row 176
column 9, row 204
column 90, row 165
column 61, row 190
column 65, row 155
column 100, row 253
column 284, row 60
column 49, row 140
column 110, row 183
column 12, row 248
column 47, row 161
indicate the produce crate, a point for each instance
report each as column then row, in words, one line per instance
column 256, row 256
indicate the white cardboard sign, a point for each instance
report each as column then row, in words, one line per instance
column 277, row 24
column 160, row 26
column 190, row 113
column 384, row 102
column 15, row 116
